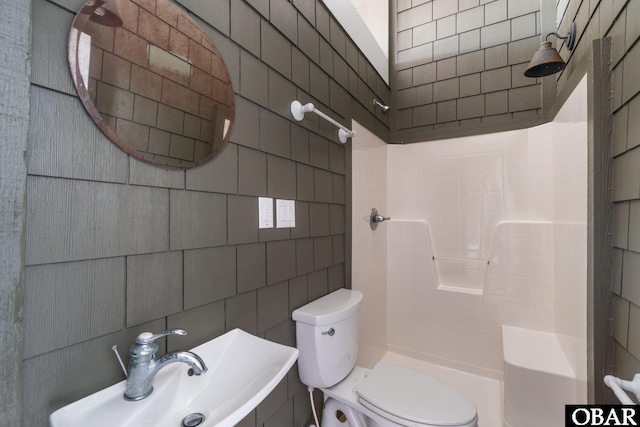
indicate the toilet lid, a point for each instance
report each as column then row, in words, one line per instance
column 414, row 396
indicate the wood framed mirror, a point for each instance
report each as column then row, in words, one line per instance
column 152, row 80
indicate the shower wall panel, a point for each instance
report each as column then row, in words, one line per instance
column 513, row 202
column 369, row 259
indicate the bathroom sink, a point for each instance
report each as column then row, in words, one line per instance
column 242, row 371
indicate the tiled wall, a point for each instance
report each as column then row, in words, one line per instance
column 314, row 63
column 115, row 247
column 502, row 202
column 619, row 21
column 369, row 247
column 460, row 64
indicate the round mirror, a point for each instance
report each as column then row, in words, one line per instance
column 152, row 80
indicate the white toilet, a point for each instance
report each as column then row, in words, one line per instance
column 387, row 395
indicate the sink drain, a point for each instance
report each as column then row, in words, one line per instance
column 193, row 420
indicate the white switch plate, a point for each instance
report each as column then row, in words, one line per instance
column 285, row 213
column 265, row 212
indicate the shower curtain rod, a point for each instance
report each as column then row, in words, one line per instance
column 298, row 110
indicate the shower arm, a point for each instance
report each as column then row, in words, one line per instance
column 298, row 111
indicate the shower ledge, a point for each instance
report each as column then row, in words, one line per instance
column 463, row 275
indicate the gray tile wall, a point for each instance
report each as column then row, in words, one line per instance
column 115, row 247
column 85, row 273
column 619, row 21
column 459, row 64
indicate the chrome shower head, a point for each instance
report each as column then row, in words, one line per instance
column 383, row 108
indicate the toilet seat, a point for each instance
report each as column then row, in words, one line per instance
column 411, row 398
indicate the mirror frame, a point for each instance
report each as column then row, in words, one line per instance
column 213, row 134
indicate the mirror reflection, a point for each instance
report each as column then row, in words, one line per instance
column 152, row 80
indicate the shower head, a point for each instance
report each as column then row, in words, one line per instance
column 383, row 108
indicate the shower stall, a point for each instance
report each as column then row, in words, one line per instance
column 487, row 232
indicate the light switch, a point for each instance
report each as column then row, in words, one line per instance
column 265, row 212
column 285, row 213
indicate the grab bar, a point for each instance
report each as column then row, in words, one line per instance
column 619, row 386
column 298, row 110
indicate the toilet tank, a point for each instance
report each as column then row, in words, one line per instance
column 327, row 338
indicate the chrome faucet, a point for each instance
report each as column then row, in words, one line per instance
column 143, row 366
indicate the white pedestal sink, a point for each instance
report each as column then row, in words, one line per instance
column 243, row 369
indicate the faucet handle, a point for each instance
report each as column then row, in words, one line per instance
column 148, row 337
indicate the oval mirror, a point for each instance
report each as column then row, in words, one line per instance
column 152, row 80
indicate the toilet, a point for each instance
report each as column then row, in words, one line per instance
column 385, row 396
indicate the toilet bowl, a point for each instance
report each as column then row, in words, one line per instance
column 385, row 396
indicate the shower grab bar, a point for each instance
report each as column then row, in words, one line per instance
column 619, row 386
column 298, row 110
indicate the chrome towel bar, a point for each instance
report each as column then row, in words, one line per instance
column 298, row 111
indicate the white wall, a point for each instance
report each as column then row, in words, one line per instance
column 369, row 259
column 504, row 215
column 484, row 199
column 570, row 231
column 363, row 26
column 375, row 13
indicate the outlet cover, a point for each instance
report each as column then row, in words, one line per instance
column 285, row 213
column 265, row 212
